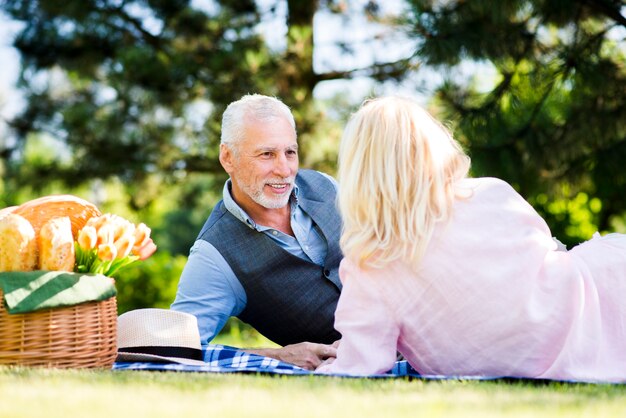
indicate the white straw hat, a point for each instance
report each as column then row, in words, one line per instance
column 158, row 335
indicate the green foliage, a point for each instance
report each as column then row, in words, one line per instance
column 577, row 217
column 131, row 95
column 554, row 120
column 151, row 283
column 239, row 334
column 117, row 81
column 124, row 101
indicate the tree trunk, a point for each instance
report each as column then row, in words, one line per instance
column 296, row 78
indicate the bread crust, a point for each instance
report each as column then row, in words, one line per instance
column 18, row 247
column 56, row 245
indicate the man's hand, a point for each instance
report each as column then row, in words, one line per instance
column 326, row 362
column 306, row 355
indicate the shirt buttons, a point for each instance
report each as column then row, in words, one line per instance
column 274, row 232
column 326, row 273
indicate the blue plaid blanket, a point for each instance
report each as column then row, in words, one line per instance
column 225, row 359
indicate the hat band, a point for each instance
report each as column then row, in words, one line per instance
column 178, row 352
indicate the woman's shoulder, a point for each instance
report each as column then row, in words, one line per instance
column 485, row 182
column 471, row 186
column 492, row 198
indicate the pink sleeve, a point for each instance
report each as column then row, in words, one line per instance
column 367, row 325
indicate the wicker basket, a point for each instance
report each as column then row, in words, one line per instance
column 79, row 336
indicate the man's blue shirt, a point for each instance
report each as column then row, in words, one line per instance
column 208, row 287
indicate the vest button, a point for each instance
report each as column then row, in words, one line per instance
column 326, row 273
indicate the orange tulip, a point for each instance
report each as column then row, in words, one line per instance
column 98, row 221
column 146, row 251
column 115, row 238
column 142, row 236
column 124, row 245
column 87, row 238
column 105, row 235
column 121, row 227
column 107, row 252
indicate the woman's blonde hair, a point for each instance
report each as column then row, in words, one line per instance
column 397, row 169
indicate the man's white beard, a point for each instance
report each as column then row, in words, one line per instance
column 269, row 202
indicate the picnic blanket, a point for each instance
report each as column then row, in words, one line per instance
column 225, row 359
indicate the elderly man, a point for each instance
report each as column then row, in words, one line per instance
column 269, row 252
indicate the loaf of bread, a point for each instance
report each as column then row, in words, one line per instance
column 4, row 212
column 56, row 245
column 18, row 247
column 41, row 210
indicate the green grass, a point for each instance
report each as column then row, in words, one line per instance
column 82, row 393
column 26, row 393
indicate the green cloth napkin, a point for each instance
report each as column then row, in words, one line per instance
column 27, row 291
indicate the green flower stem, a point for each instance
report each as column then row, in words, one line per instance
column 87, row 261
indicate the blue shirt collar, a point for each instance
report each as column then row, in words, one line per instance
column 241, row 214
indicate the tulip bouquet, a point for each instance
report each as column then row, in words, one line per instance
column 109, row 242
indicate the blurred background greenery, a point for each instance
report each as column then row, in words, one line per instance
column 123, row 99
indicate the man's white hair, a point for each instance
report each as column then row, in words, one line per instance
column 251, row 107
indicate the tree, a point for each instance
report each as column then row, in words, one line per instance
column 129, row 94
column 136, row 88
column 554, row 122
column 117, row 83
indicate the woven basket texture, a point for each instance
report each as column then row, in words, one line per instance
column 79, row 336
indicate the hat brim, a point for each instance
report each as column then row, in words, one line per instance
column 139, row 357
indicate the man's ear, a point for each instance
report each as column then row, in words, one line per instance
column 226, row 158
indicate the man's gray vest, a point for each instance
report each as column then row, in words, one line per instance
column 289, row 300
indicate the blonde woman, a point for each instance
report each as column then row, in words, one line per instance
column 458, row 274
